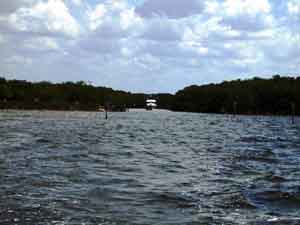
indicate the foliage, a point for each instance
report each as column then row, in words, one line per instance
column 19, row 94
column 255, row 96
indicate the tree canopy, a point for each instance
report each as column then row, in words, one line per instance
column 20, row 94
column 252, row 96
column 278, row 95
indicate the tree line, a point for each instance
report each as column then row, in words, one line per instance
column 21, row 94
column 276, row 96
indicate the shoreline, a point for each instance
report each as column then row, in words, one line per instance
column 142, row 109
column 277, row 96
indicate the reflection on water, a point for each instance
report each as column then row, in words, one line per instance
column 148, row 168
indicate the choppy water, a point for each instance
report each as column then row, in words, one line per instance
column 148, row 168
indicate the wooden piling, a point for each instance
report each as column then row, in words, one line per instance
column 234, row 108
column 293, row 106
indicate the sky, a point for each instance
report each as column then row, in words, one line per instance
column 148, row 45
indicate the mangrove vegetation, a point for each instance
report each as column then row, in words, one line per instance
column 276, row 96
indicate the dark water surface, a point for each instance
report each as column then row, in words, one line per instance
column 148, row 168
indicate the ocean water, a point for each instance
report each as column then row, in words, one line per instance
column 143, row 168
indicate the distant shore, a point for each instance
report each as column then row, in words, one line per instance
column 142, row 110
column 257, row 96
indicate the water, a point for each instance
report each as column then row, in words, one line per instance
column 148, row 168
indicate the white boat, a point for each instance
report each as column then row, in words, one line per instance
column 150, row 104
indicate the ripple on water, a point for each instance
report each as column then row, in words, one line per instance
column 148, row 168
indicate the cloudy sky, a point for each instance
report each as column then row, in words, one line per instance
column 148, row 45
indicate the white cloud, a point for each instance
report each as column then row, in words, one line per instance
column 96, row 16
column 294, row 7
column 150, row 60
column 77, row 2
column 249, row 7
column 51, row 17
column 251, row 15
column 211, row 6
column 162, row 30
column 128, row 18
column 41, row 44
column 114, row 19
column 126, row 52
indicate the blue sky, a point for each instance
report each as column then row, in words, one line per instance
column 148, row 45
